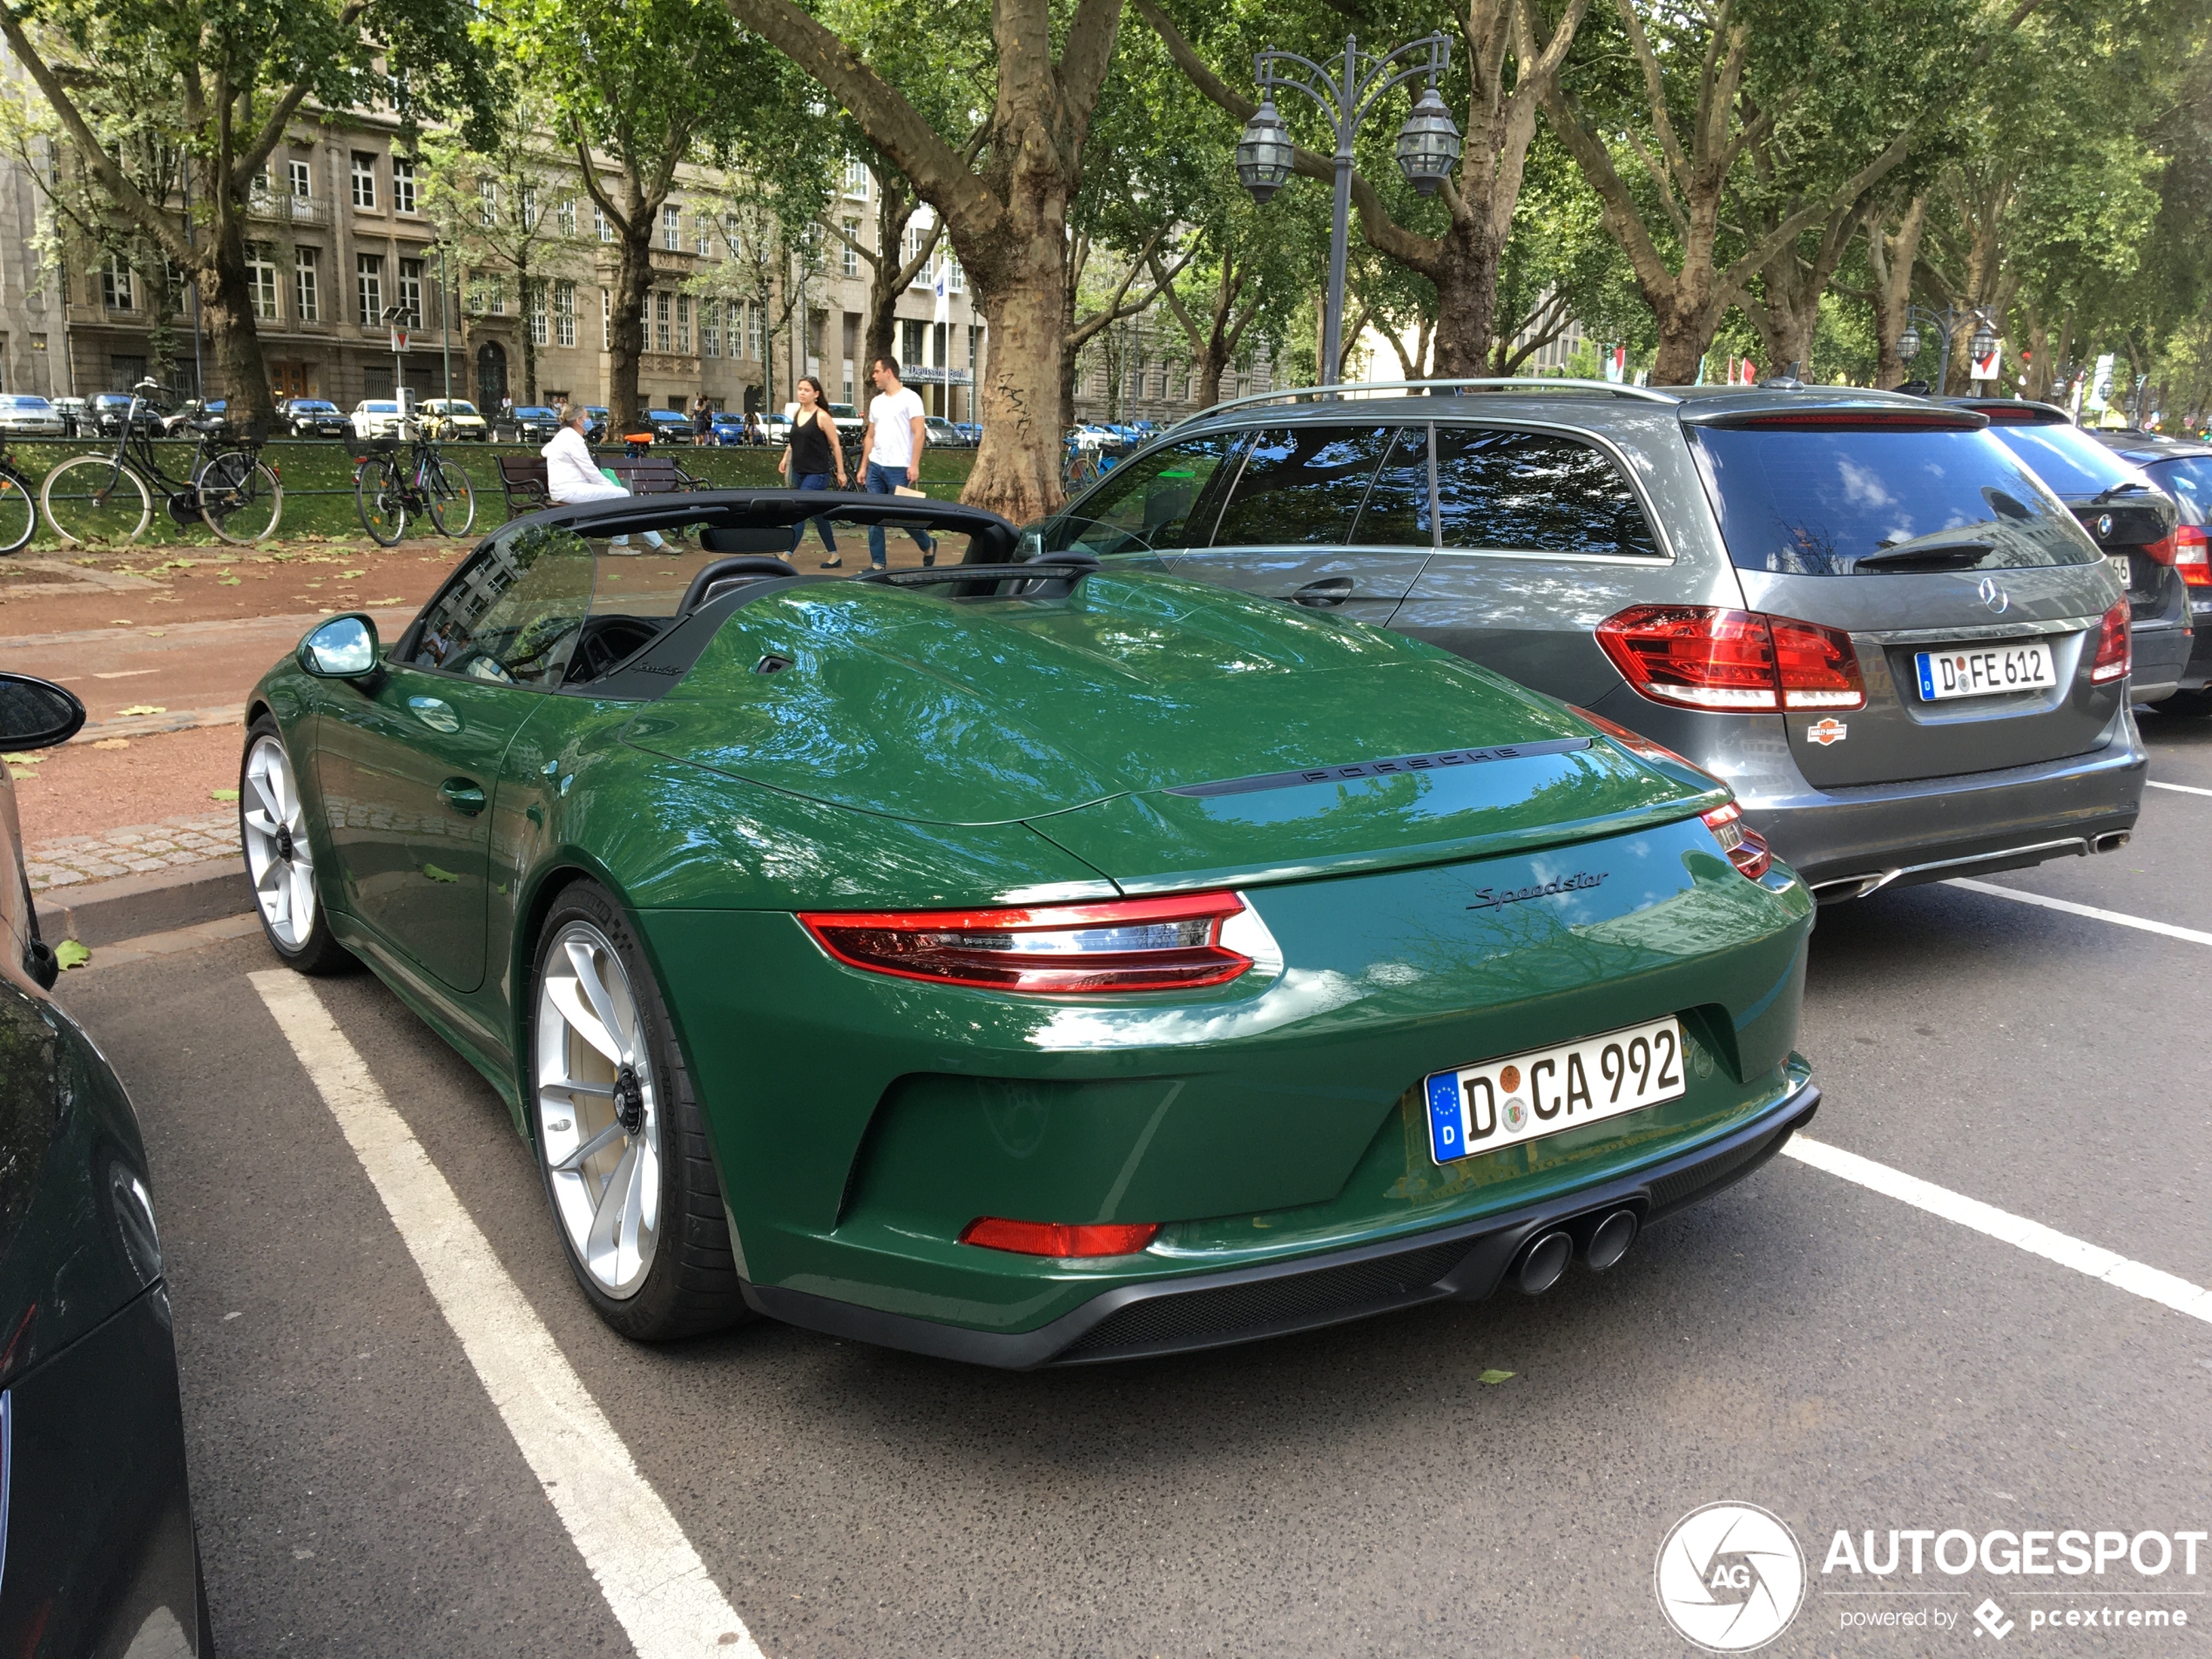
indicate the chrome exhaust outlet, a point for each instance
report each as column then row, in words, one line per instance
column 1543, row 1262
column 2112, row 840
column 1610, row 1240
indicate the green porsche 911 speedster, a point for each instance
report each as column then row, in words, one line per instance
column 1032, row 962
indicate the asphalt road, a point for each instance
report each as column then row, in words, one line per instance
column 1845, row 1359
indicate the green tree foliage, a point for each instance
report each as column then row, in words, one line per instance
column 166, row 100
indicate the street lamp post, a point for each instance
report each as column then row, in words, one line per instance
column 1946, row 323
column 1428, row 143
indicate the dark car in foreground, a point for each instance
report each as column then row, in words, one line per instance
column 2182, row 467
column 97, row 1553
column 2132, row 520
column 314, row 417
column 1859, row 609
column 1028, row 963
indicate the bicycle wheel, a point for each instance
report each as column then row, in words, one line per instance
column 453, row 501
column 19, row 511
column 95, row 498
column 382, row 497
column 240, row 498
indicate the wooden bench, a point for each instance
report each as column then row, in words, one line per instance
column 521, row 480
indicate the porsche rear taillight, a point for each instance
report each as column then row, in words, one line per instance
column 1172, row 943
column 1745, row 847
column 2112, row 661
column 1702, row 656
column 1062, row 1239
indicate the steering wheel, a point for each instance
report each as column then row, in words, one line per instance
column 759, row 565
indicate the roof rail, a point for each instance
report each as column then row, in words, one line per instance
column 1354, row 389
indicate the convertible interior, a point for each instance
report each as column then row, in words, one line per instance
column 619, row 598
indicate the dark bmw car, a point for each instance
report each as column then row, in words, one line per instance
column 2129, row 517
column 2182, row 467
column 527, row 423
column 315, row 417
column 96, row 1528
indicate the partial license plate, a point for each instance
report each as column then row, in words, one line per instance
column 1526, row 1096
column 2123, row 567
column 1984, row 671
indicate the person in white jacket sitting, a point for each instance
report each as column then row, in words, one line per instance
column 572, row 477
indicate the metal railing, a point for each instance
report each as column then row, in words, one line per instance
column 1351, row 391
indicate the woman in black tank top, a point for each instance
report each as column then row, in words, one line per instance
column 815, row 455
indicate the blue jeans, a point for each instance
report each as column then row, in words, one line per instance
column 886, row 481
column 820, row 481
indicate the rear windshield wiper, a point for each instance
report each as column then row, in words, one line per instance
column 2121, row 488
column 1948, row 556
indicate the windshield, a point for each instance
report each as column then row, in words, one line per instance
column 2188, row 480
column 1168, row 498
column 1820, row 500
column 535, row 413
column 316, row 407
column 2067, row 458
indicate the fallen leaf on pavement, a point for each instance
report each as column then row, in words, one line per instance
column 112, row 743
column 143, row 708
column 222, row 794
column 1494, row 1377
column 70, row 953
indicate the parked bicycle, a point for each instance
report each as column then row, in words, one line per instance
column 1079, row 467
column 109, row 497
column 18, row 505
column 387, row 490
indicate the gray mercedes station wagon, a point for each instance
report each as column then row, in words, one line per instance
column 1862, row 610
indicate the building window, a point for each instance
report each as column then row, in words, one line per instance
column 261, row 184
column 411, row 299
column 671, row 227
column 703, row 235
column 541, row 320
column 599, row 225
column 660, row 321
column 490, row 296
column 911, row 343
column 302, row 178
column 564, row 215
column 709, row 328
column 260, row 281
column 852, row 255
column 488, row 202
column 955, row 278
column 402, row 184
column 368, row 284
column 730, row 237
column 756, row 322
column 529, row 207
column 856, row 180
column 306, row 290
column 564, row 313
column 364, row 180
column 115, row 285
column 683, row 322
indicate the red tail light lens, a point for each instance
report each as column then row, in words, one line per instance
column 2112, row 657
column 1165, row 944
column 1745, row 847
column 2192, row 547
column 1733, row 661
column 1056, row 1238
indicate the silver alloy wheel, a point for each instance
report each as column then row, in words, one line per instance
column 277, row 857
column 598, row 1109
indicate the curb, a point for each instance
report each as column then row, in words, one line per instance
column 104, row 912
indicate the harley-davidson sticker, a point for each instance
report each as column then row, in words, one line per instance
column 1828, row 730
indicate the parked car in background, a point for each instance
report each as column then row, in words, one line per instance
column 313, row 417
column 378, row 417
column 24, row 416
column 1093, row 436
column 193, row 415
column 971, row 431
column 107, row 411
column 2182, row 467
column 453, row 420
column 776, row 429
column 100, row 1557
column 75, row 418
column 598, row 419
column 669, row 426
column 530, row 423
column 728, row 428
column 2131, row 520
column 943, row 433
column 1859, row 609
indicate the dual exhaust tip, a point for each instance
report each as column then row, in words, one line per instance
column 1544, row 1260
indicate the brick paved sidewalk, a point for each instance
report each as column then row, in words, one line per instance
column 134, row 850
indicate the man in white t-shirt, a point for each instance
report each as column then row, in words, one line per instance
column 896, row 434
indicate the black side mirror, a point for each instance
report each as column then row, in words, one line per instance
column 35, row 713
column 342, row 649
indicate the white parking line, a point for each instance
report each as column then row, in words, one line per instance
column 2179, row 789
column 2071, row 909
column 2033, row 1237
column 653, row 1578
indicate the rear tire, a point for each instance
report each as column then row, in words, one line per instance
column 240, row 498
column 453, row 501
column 18, row 513
column 383, row 501
column 637, row 1207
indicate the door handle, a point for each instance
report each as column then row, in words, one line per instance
column 464, row 795
column 1330, row 590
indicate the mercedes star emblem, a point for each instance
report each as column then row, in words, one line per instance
column 1994, row 597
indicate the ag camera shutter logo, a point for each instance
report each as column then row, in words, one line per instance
column 1730, row 1577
